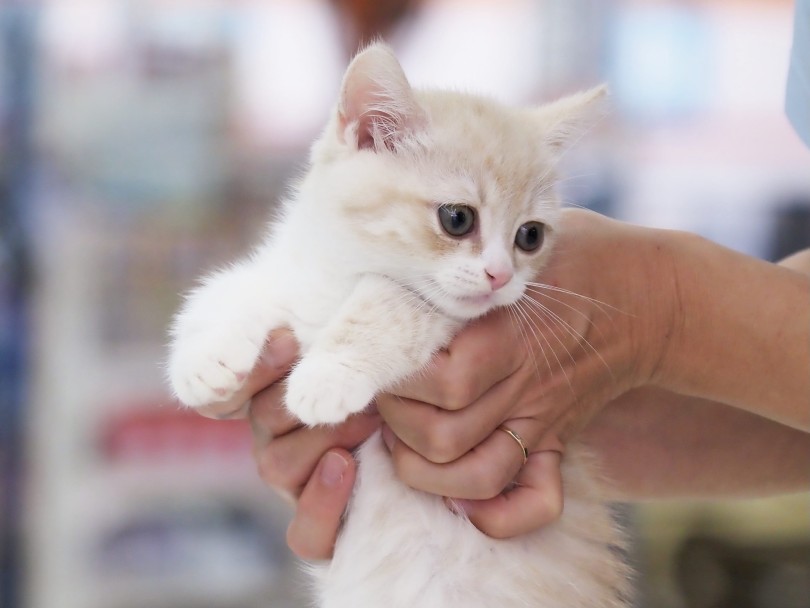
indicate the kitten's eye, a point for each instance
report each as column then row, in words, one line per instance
column 457, row 220
column 529, row 236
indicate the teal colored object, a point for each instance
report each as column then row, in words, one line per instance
column 797, row 102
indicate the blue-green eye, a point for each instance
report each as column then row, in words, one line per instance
column 529, row 236
column 457, row 220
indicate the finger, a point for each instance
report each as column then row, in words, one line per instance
column 280, row 350
column 536, row 500
column 268, row 415
column 484, row 353
column 442, row 436
column 481, row 473
column 313, row 530
column 287, row 462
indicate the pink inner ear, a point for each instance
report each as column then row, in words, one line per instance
column 367, row 126
column 377, row 99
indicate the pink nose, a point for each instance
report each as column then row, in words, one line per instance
column 498, row 278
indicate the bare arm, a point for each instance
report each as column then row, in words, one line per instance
column 741, row 332
column 697, row 319
column 657, row 444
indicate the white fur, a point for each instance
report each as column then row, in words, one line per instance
column 361, row 271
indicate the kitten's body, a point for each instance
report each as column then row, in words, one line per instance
column 360, row 268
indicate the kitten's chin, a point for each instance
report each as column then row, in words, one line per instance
column 469, row 307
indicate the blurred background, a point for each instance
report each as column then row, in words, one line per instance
column 144, row 141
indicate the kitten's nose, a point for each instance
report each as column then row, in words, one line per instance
column 498, row 278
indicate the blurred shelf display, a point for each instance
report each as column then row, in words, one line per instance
column 134, row 501
column 165, row 132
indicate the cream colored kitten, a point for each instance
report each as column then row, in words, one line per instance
column 420, row 211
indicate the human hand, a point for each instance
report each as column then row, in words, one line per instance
column 312, row 468
column 593, row 329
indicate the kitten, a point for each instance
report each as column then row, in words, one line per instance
column 420, row 211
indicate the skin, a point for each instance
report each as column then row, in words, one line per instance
column 680, row 336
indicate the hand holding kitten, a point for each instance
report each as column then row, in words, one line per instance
column 589, row 338
column 495, row 371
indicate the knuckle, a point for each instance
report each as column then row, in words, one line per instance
column 452, row 379
column 441, row 443
column 267, row 407
column 458, row 391
column 552, row 508
column 354, row 431
column 407, row 470
column 272, row 463
column 498, row 524
column 301, row 544
column 402, row 470
column 490, row 481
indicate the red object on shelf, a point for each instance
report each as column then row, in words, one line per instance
column 164, row 431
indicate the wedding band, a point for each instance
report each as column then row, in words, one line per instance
column 519, row 440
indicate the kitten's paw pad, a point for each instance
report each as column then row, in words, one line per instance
column 321, row 390
column 211, row 367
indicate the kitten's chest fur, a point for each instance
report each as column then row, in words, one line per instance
column 428, row 557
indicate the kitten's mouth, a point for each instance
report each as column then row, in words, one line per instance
column 479, row 300
column 471, row 307
column 462, row 307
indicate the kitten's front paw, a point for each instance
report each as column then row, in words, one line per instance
column 210, row 366
column 321, row 390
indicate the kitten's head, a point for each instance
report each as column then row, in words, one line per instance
column 451, row 194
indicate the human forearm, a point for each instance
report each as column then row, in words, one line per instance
column 740, row 332
column 799, row 261
column 654, row 444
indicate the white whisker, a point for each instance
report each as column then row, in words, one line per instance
column 512, row 309
column 599, row 303
column 563, row 324
column 540, row 334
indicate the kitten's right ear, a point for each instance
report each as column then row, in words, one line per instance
column 562, row 121
column 377, row 107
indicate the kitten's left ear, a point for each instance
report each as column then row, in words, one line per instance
column 563, row 120
column 377, row 107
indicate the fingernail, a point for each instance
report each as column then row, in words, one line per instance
column 388, row 437
column 281, row 350
column 333, row 467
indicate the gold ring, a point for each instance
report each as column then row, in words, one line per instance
column 519, row 440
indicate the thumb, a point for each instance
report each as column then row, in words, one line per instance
column 535, row 501
column 315, row 526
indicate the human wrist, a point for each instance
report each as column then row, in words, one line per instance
column 651, row 302
column 739, row 331
column 627, row 272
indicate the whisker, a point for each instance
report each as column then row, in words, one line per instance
column 526, row 316
column 524, row 336
column 563, row 324
column 536, row 309
column 535, row 292
column 599, row 303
